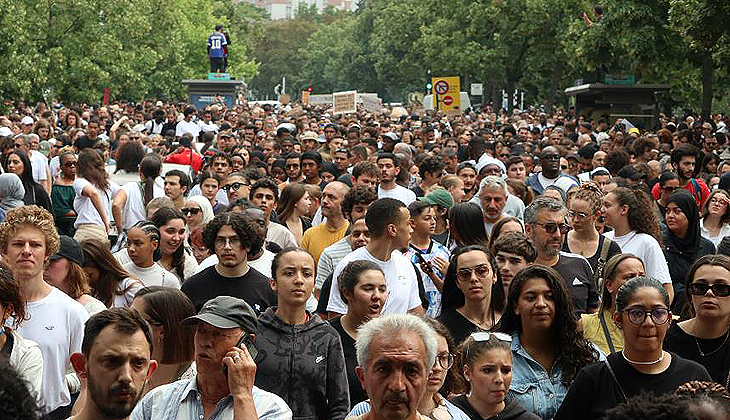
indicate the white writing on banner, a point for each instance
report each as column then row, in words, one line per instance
column 344, row 102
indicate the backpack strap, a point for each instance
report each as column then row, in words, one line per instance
column 615, row 379
column 602, row 258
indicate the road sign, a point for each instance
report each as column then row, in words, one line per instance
column 444, row 87
column 476, row 89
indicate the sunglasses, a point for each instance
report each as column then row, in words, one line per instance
column 718, row 289
column 553, row 227
column 637, row 316
column 69, row 164
column 190, row 211
column 234, row 186
column 485, row 336
column 482, row 271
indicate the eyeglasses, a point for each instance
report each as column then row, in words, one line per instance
column 576, row 215
column 69, row 164
column 504, row 155
column 637, row 316
column 234, row 241
column 670, row 189
column 481, row 270
column 485, row 336
column 718, row 289
column 553, row 227
column 551, row 157
column 233, row 186
column 192, row 211
column 445, row 359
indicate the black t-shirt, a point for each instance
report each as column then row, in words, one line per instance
column 717, row 351
column 459, row 326
column 594, row 390
column 357, row 394
column 441, row 238
column 613, row 249
column 253, row 287
column 578, row 277
column 417, row 189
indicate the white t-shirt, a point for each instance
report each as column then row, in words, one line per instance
column 56, row 324
column 400, row 193
column 400, row 278
column 39, row 164
column 55, row 167
column 187, row 127
column 134, row 210
column 262, row 264
column 209, row 127
column 155, row 275
column 563, row 181
column 84, row 207
column 647, row 248
column 125, row 300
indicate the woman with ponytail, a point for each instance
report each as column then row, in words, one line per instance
column 129, row 204
column 631, row 214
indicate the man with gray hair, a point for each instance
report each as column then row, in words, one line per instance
column 492, row 198
column 395, row 354
column 545, row 226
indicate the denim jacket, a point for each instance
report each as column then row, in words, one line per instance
column 536, row 389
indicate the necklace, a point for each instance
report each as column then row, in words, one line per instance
column 642, row 363
column 703, row 354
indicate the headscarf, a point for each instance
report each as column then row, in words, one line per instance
column 205, row 206
column 690, row 244
column 11, row 191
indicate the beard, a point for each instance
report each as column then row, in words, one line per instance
column 105, row 399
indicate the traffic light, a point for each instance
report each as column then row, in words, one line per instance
column 309, row 89
column 429, row 86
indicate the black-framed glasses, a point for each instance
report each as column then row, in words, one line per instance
column 445, row 359
column 190, row 211
column 551, row 157
column 718, row 289
column 553, row 227
column 481, row 270
column 637, row 316
column 69, row 164
column 234, row 186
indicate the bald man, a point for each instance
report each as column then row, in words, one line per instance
column 319, row 237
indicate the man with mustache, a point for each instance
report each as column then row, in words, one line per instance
column 116, row 362
column 395, row 354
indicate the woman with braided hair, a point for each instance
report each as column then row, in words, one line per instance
column 631, row 214
column 144, row 250
column 584, row 207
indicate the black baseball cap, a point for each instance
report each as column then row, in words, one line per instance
column 226, row 312
column 69, row 249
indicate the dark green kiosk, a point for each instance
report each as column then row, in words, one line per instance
column 203, row 92
column 619, row 97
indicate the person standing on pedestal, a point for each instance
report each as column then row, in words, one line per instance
column 216, row 44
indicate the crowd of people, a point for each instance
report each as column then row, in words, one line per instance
column 165, row 262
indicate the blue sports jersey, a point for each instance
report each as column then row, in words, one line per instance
column 216, row 41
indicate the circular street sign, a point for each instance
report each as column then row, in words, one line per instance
column 448, row 100
column 441, row 87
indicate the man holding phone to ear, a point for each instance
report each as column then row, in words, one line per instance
column 223, row 389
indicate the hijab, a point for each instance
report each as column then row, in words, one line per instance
column 204, row 205
column 690, row 244
column 11, row 191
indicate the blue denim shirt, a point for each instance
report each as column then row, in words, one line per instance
column 181, row 401
column 539, row 391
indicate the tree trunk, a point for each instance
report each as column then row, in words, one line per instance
column 707, row 73
column 510, row 93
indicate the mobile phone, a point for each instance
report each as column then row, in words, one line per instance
column 425, row 266
column 245, row 340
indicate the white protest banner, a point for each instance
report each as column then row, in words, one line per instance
column 371, row 103
column 344, row 102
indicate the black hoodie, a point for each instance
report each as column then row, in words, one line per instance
column 304, row 365
column 512, row 410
